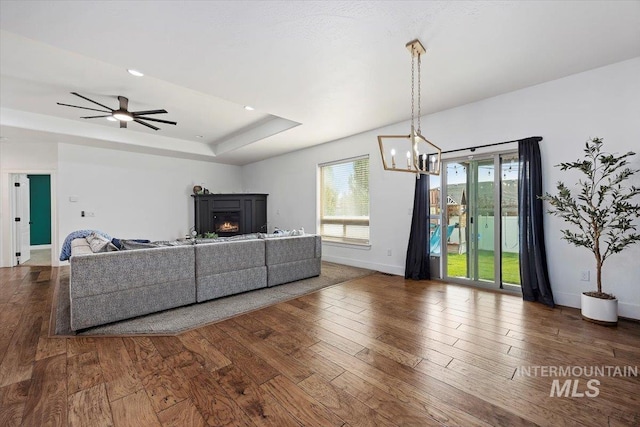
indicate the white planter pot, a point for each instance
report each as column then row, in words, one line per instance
column 598, row 310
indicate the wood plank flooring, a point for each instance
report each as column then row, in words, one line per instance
column 375, row 351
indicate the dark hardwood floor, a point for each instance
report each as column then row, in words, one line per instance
column 373, row 351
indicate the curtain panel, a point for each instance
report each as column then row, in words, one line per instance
column 417, row 266
column 534, row 275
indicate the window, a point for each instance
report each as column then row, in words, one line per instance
column 344, row 201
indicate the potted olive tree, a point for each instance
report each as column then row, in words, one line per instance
column 601, row 210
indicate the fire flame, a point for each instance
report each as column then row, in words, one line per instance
column 228, row 226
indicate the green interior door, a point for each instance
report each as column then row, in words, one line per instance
column 40, row 199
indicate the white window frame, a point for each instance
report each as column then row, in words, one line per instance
column 345, row 222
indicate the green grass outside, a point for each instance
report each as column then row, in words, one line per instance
column 457, row 266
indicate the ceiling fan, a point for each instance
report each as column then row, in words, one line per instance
column 122, row 114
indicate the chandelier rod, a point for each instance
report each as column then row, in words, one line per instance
column 419, row 100
column 413, row 100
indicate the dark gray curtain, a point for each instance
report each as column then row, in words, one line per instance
column 417, row 266
column 534, row 275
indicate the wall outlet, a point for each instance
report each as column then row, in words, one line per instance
column 388, row 252
column 584, row 276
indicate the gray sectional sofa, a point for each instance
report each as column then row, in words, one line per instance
column 112, row 286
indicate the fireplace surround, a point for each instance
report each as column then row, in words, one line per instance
column 230, row 214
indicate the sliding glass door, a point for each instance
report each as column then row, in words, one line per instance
column 480, row 212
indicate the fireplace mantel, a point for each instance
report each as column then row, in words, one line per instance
column 249, row 210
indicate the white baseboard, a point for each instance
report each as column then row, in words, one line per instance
column 36, row 247
column 568, row 300
column 384, row 268
column 630, row 311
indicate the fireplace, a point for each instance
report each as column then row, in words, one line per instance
column 226, row 223
column 230, row 214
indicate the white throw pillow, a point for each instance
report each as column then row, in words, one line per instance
column 98, row 243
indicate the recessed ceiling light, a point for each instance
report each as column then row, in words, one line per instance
column 249, row 108
column 112, row 119
column 135, row 72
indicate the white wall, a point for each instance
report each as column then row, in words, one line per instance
column 32, row 157
column 604, row 102
column 134, row 195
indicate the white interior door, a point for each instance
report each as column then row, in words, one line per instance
column 22, row 219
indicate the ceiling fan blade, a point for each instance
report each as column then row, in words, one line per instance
column 95, row 117
column 146, row 124
column 123, row 124
column 144, row 113
column 124, row 103
column 156, row 120
column 84, row 108
column 91, row 100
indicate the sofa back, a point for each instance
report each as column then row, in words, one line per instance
column 280, row 250
column 215, row 258
column 107, row 272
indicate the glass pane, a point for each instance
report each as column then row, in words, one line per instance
column 509, row 220
column 345, row 201
column 485, row 205
column 457, row 218
column 434, row 214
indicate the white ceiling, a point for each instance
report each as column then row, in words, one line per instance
column 314, row 71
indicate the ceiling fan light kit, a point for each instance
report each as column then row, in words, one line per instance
column 135, row 72
column 423, row 156
column 122, row 114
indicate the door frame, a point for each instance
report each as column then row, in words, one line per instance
column 9, row 243
column 18, row 207
column 496, row 284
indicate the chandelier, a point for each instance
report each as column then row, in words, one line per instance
column 423, row 156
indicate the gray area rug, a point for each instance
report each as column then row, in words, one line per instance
column 183, row 318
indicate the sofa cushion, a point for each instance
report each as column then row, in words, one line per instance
column 133, row 244
column 230, row 283
column 113, row 306
column 282, row 233
column 292, row 271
